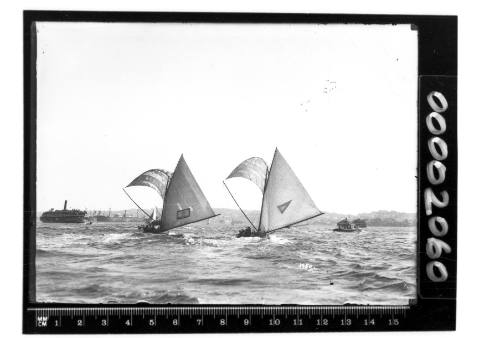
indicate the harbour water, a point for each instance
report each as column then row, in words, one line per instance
column 205, row 263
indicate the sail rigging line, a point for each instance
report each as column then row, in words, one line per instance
column 288, row 225
column 150, row 216
column 234, row 199
column 198, row 220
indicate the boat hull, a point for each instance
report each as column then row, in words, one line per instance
column 346, row 230
column 152, row 229
column 63, row 219
column 247, row 233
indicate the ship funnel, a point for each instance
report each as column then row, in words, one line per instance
column 65, row 204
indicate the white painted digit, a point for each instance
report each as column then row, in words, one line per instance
column 433, row 226
column 442, row 271
column 435, row 247
column 441, row 172
column 442, row 154
column 443, row 103
column 431, row 199
column 429, row 120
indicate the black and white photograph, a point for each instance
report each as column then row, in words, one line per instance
column 227, row 172
column 226, row 163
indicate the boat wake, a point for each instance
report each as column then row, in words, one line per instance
column 117, row 264
column 275, row 239
column 115, row 237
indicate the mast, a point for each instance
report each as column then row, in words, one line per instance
column 265, row 188
column 244, row 214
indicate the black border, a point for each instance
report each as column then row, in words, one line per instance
column 434, row 308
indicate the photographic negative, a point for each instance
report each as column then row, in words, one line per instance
column 226, row 161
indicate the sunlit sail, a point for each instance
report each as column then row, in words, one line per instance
column 183, row 200
column 157, row 179
column 285, row 201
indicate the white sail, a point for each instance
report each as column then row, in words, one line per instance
column 253, row 169
column 285, row 201
column 157, row 179
column 184, row 202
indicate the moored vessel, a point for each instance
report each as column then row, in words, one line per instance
column 64, row 216
column 346, row 226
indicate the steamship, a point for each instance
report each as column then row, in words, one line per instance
column 63, row 216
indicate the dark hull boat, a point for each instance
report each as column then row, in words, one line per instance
column 151, row 227
column 64, row 216
column 249, row 233
column 346, row 230
column 183, row 201
column 346, row 226
column 285, row 201
column 59, row 217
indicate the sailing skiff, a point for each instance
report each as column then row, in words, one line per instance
column 285, row 201
column 183, row 200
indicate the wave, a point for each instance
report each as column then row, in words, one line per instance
column 223, row 281
column 119, row 264
column 167, row 298
column 157, row 297
column 278, row 240
column 399, row 286
column 90, row 289
column 113, row 238
column 45, row 253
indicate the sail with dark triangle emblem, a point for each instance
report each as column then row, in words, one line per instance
column 184, row 202
column 286, row 201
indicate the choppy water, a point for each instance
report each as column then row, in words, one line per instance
column 115, row 263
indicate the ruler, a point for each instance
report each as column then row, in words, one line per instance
column 164, row 319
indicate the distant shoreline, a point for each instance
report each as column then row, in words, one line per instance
column 374, row 219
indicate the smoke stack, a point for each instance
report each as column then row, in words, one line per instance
column 65, row 204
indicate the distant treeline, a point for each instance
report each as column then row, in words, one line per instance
column 389, row 222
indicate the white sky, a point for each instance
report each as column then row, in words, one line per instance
column 339, row 101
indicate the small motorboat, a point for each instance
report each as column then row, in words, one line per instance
column 346, row 226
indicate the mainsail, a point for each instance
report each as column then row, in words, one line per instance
column 285, row 201
column 184, row 202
